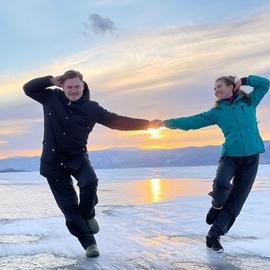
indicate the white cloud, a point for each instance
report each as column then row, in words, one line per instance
column 169, row 58
column 168, row 68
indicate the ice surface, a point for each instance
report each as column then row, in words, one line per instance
column 156, row 227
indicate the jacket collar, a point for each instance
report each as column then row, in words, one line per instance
column 226, row 102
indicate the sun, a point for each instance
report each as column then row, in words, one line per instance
column 155, row 133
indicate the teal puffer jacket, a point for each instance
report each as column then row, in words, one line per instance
column 237, row 121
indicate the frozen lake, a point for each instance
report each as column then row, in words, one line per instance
column 150, row 219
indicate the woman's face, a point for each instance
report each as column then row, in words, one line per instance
column 223, row 91
column 73, row 88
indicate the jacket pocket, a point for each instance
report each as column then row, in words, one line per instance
column 49, row 171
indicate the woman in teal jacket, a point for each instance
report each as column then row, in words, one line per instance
column 235, row 114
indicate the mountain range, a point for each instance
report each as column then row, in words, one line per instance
column 137, row 158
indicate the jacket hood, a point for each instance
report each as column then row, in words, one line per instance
column 86, row 92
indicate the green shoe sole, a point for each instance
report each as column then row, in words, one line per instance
column 92, row 251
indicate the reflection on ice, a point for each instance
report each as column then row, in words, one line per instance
column 155, row 187
column 152, row 224
column 154, row 190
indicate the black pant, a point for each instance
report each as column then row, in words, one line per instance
column 76, row 213
column 232, row 196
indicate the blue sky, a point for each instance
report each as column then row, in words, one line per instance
column 158, row 61
column 36, row 32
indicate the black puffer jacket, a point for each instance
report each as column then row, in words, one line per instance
column 68, row 124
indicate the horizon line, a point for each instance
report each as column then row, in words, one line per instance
column 125, row 148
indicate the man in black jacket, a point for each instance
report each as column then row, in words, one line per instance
column 69, row 117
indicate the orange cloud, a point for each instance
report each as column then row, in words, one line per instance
column 24, row 152
column 131, row 67
column 16, row 126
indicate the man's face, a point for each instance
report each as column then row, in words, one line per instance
column 73, row 88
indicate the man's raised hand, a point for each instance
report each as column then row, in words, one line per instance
column 57, row 81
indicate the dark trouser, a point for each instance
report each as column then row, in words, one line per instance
column 76, row 213
column 232, row 196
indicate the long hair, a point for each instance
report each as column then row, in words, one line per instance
column 231, row 80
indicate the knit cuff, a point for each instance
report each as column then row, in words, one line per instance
column 244, row 80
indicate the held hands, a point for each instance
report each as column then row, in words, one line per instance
column 157, row 123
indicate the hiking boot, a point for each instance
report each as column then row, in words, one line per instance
column 212, row 215
column 92, row 251
column 213, row 242
column 93, row 225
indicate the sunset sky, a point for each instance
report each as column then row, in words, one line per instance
column 141, row 58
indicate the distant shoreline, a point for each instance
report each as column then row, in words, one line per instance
column 115, row 158
column 12, row 170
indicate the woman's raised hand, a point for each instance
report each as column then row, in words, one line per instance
column 238, row 84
